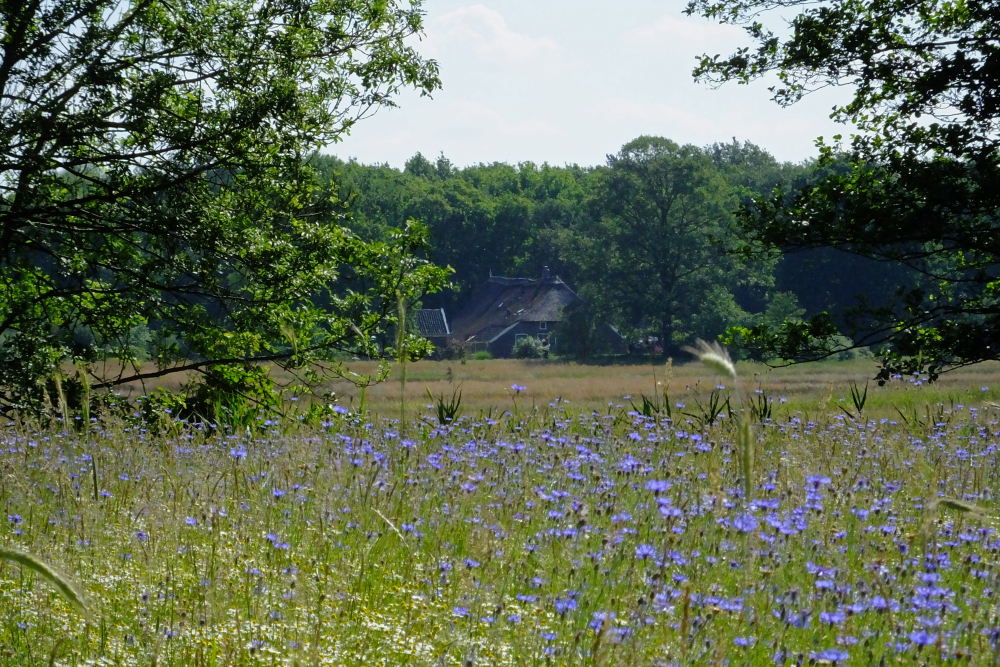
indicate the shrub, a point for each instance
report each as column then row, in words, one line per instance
column 455, row 351
column 482, row 355
column 530, row 347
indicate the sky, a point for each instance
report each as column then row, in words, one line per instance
column 571, row 81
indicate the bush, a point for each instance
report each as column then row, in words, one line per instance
column 853, row 353
column 482, row 355
column 455, row 351
column 530, row 347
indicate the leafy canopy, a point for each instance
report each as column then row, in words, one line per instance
column 155, row 183
column 649, row 251
column 918, row 183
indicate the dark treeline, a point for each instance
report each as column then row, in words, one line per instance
column 648, row 239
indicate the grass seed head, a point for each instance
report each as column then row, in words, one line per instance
column 714, row 356
column 61, row 583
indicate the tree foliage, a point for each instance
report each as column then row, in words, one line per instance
column 154, row 175
column 656, row 243
column 641, row 238
column 919, row 190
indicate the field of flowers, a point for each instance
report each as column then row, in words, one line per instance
column 521, row 536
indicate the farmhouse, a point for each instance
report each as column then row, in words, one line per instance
column 501, row 312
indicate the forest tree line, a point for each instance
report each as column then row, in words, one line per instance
column 649, row 239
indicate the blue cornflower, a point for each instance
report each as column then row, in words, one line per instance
column 599, row 618
column 744, row 641
column 833, row 618
column 922, row 637
column 514, row 618
column 191, row 521
column 644, row 551
column 831, row 655
column 518, row 388
column 565, row 605
column 142, row 537
column 657, row 485
column 460, row 611
column 745, row 523
column 277, row 493
column 669, row 510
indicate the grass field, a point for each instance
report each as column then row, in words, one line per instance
column 580, row 534
column 487, row 384
column 810, row 387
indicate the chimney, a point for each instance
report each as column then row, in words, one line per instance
column 545, row 273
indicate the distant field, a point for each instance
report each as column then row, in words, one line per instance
column 487, row 384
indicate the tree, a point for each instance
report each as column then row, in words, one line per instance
column 919, row 187
column 650, row 256
column 483, row 218
column 154, row 173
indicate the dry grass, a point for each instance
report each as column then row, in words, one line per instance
column 486, row 384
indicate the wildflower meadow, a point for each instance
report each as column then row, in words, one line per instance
column 523, row 535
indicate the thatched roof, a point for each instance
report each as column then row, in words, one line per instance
column 501, row 302
column 432, row 322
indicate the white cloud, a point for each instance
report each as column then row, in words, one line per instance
column 486, row 33
column 466, row 131
column 763, row 122
column 671, row 30
column 481, row 119
column 655, row 114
